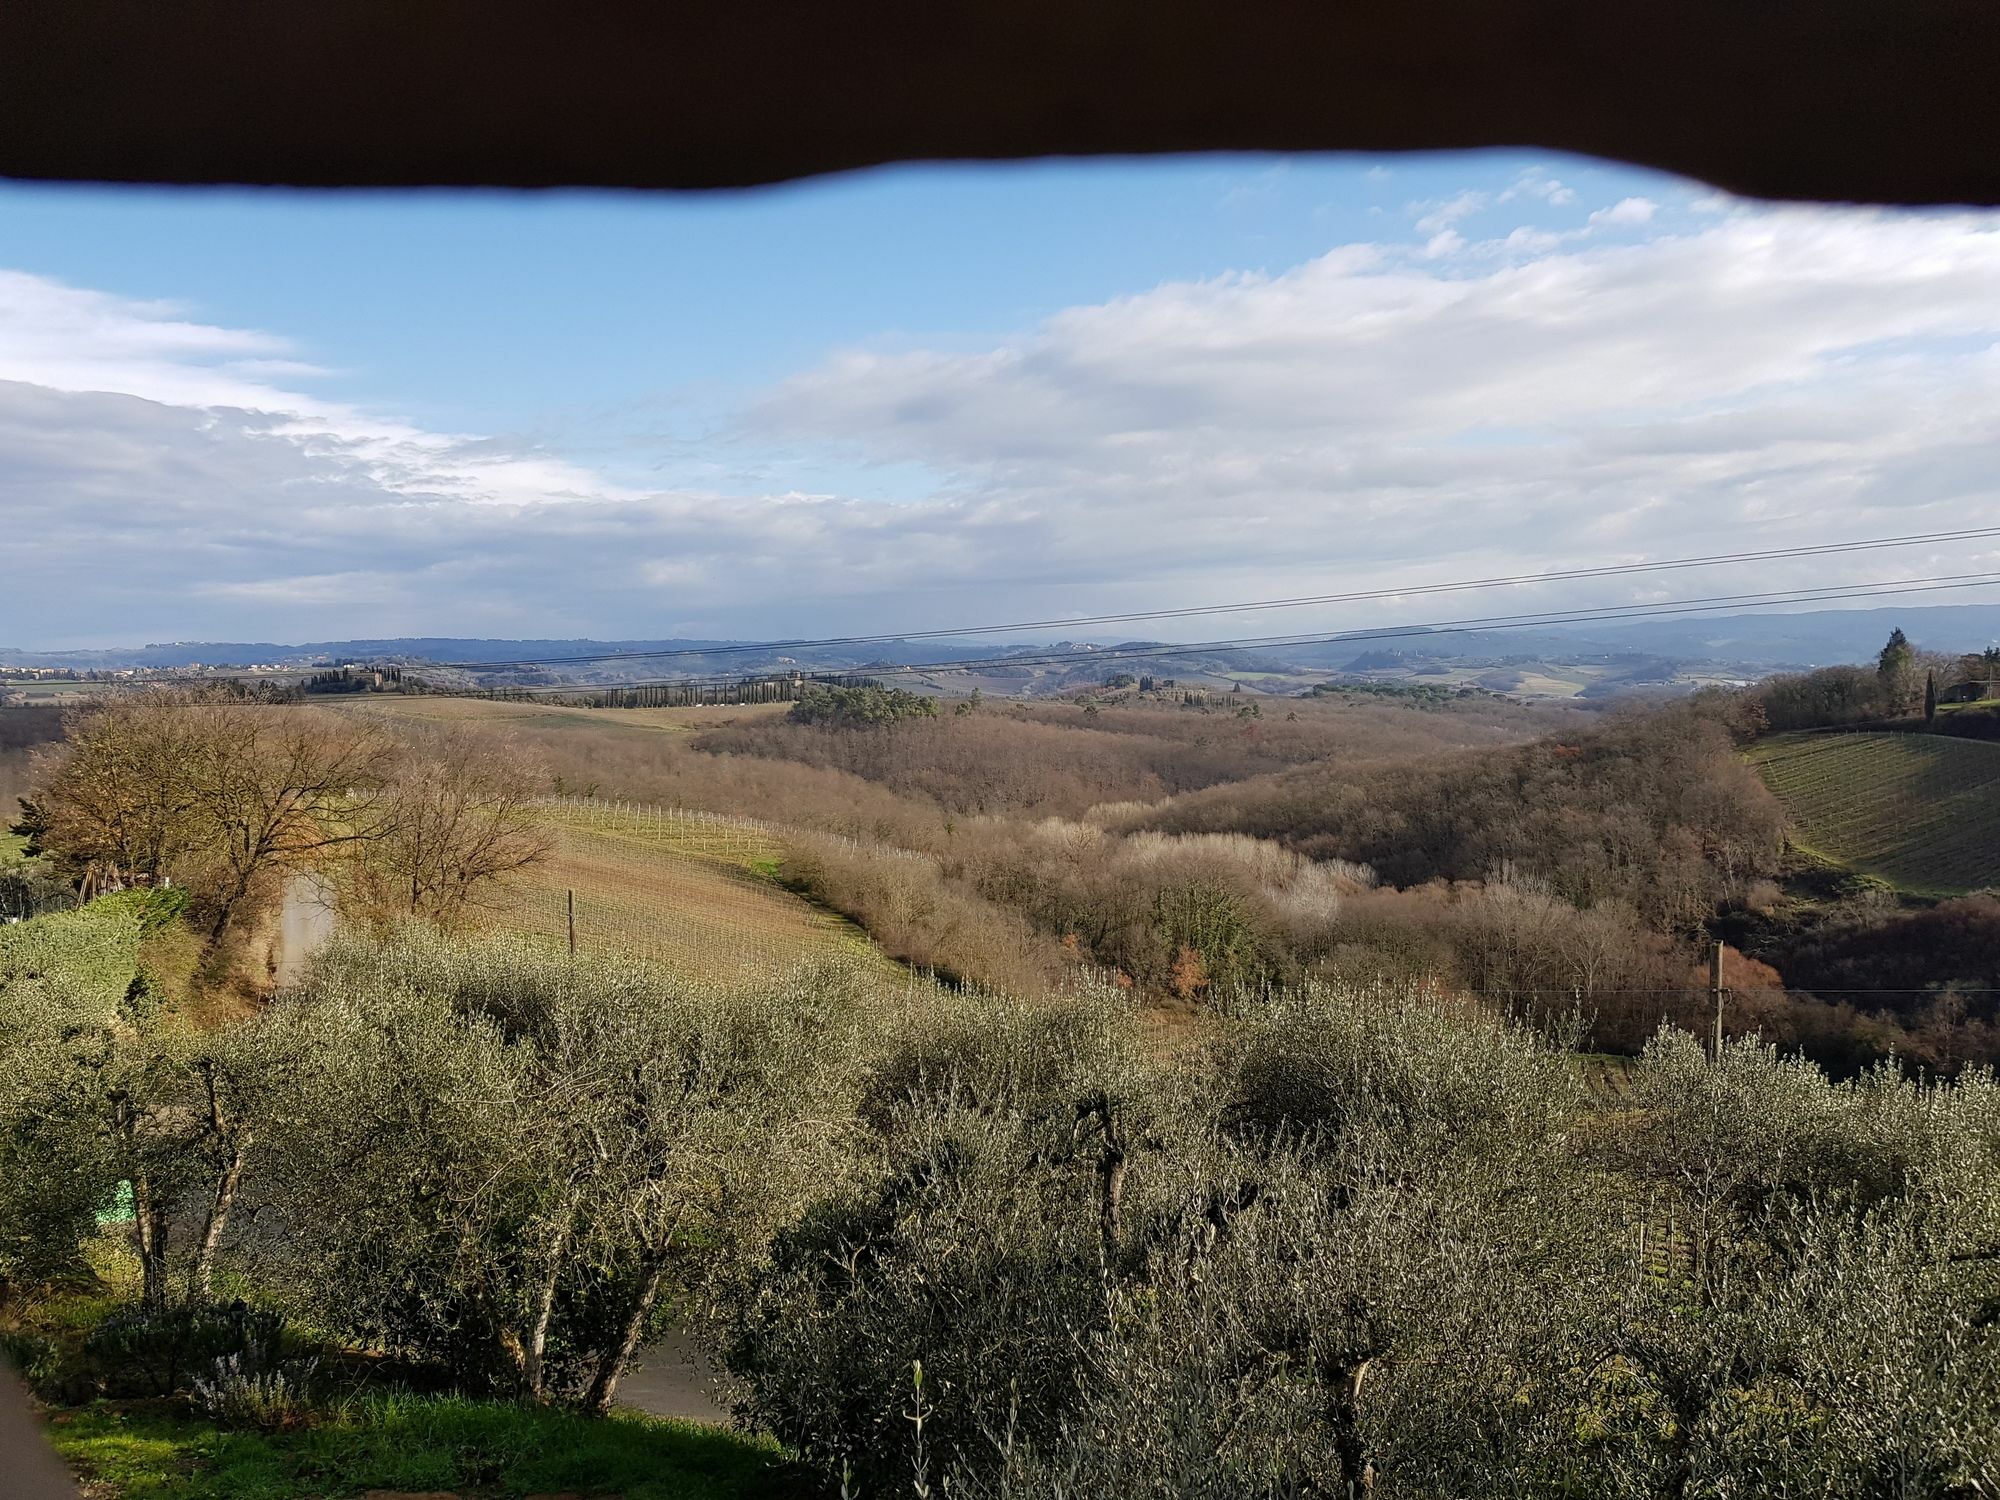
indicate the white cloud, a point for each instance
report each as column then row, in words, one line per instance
column 64, row 338
column 1383, row 412
column 1774, row 376
column 1533, row 241
column 1627, row 211
column 1538, row 184
column 1439, row 216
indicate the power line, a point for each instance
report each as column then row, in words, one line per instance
column 1707, row 605
column 1607, row 570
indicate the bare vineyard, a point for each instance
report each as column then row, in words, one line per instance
column 1916, row 810
column 676, row 830
column 688, row 890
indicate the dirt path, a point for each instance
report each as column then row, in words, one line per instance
column 305, row 925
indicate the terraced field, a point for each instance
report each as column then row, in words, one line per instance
column 1919, row 811
column 687, row 891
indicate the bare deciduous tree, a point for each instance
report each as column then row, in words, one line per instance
column 116, row 802
column 456, row 818
column 280, row 790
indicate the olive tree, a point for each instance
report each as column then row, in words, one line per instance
column 1344, row 1244
column 1830, row 1327
column 104, row 1082
column 488, row 1157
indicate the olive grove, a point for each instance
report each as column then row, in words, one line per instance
column 1337, row 1241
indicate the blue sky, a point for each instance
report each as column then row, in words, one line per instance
column 489, row 310
column 928, row 395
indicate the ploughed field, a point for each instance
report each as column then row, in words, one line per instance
column 1919, row 811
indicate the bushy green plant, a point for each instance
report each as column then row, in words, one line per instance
column 242, row 1390
column 34, row 1356
column 860, row 707
column 508, row 1164
column 94, row 949
column 154, row 907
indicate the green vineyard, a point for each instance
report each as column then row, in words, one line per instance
column 1919, row 811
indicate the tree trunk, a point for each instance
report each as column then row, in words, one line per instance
column 226, row 1183
column 1357, row 1471
column 611, row 1368
column 545, row 1302
column 1111, row 1166
column 228, row 1178
column 149, row 1219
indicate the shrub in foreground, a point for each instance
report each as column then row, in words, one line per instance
column 1359, row 1242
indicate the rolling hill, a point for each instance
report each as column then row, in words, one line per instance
column 1919, row 811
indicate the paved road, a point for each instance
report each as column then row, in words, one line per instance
column 674, row 1380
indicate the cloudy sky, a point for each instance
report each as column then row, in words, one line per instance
column 933, row 397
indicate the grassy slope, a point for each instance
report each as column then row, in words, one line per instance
column 550, row 715
column 1919, row 811
column 697, row 898
column 676, row 894
column 155, row 1452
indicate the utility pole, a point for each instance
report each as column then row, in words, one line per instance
column 572, row 924
column 1715, row 987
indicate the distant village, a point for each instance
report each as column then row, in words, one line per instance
column 13, row 678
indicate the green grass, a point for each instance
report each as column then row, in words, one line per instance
column 419, row 1443
column 1919, row 811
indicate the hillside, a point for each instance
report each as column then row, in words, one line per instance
column 686, row 890
column 1584, row 659
column 1919, row 811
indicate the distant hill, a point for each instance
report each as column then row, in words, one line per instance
column 1809, row 638
column 1634, row 651
column 1812, row 638
column 452, row 649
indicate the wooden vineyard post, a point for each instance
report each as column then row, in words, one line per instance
column 572, row 924
column 1715, row 987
